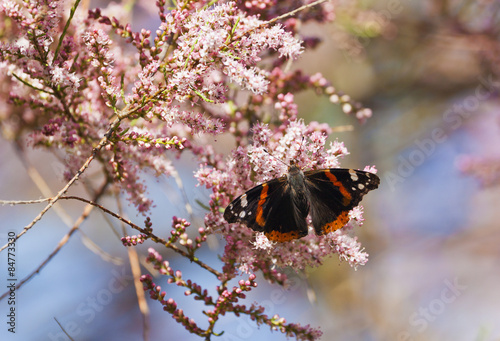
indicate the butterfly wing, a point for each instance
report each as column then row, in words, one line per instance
column 269, row 208
column 333, row 193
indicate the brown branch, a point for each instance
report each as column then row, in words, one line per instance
column 64, row 330
column 82, row 169
column 126, row 112
column 289, row 14
column 23, row 202
column 86, row 241
column 44, row 188
column 136, row 273
column 286, row 15
column 139, row 291
column 153, row 237
column 62, row 242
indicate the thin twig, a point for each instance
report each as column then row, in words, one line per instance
column 126, row 112
column 23, row 202
column 93, row 247
column 65, row 30
column 31, row 85
column 44, row 188
column 65, row 332
column 289, row 14
column 153, row 237
column 82, row 169
column 136, row 273
column 139, row 291
column 61, row 243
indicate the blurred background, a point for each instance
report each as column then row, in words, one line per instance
column 430, row 72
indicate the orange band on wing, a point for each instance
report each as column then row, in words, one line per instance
column 346, row 196
column 341, row 220
column 263, row 197
column 276, row 236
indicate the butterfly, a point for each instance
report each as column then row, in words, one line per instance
column 279, row 207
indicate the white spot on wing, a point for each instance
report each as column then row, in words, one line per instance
column 361, row 186
column 354, row 176
column 243, row 200
column 242, row 214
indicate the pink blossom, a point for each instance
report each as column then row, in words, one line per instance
column 128, row 103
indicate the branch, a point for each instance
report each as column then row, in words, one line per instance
column 136, row 273
column 101, row 144
column 289, row 14
column 65, row 30
column 62, row 242
column 286, row 15
column 153, row 237
column 139, row 291
column 126, row 112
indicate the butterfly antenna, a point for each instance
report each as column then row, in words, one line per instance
column 275, row 157
column 299, row 152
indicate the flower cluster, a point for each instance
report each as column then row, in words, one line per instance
column 136, row 100
column 170, row 305
column 102, row 59
column 266, row 158
column 134, row 240
column 144, row 139
column 221, row 39
column 227, row 301
column 178, row 234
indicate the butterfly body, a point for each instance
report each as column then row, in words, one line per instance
column 279, row 207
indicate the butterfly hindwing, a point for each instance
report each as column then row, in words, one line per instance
column 285, row 215
column 333, row 193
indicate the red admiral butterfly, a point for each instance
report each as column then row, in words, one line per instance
column 279, row 207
